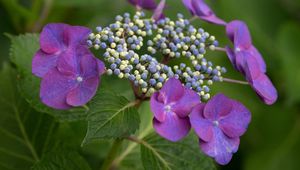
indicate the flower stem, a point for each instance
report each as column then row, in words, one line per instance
column 220, row 49
column 111, row 154
column 193, row 18
column 235, row 81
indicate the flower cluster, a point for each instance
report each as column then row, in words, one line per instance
column 123, row 40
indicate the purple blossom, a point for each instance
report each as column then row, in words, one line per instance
column 70, row 73
column 247, row 60
column 74, row 81
column 219, row 124
column 158, row 12
column 171, row 107
column 56, row 39
column 200, row 9
column 144, row 4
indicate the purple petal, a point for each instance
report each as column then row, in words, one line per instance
column 188, row 5
column 84, row 92
column 42, row 63
column 261, row 62
column 239, row 34
column 217, row 107
column 184, row 106
column 54, row 89
column 213, row 19
column 265, row 89
column 260, row 82
column 173, row 128
column 202, row 126
column 158, row 12
column 157, row 107
column 171, row 91
column 145, row 4
column 220, row 147
column 236, row 122
column 68, row 62
column 101, row 67
column 77, row 35
column 202, row 10
column 88, row 65
column 52, row 38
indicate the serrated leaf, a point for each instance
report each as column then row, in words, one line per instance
column 22, row 50
column 288, row 45
column 111, row 116
column 160, row 154
column 25, row 133
column 62, row 160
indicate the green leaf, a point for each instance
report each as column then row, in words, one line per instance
column 160, row 154
column 22, row 50
column 62, row 160
column 288, row 44
column 111, row 116
column 25, row 133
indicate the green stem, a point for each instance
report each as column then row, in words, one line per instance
column 111, row 154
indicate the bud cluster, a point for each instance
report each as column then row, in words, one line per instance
column 123, row 40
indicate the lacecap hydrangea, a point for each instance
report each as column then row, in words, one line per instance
column 180, row 97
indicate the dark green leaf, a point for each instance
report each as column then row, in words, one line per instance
column 25, row 133
column 62, row 160
column 288, row 44
column 22, row 51
column 160, row 154
column 111, row 116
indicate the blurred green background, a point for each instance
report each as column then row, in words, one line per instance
column 273, row 138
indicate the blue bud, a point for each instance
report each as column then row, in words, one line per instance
column 152, row 82
column 99, row 29
column 117, row 72
column 131, row 77
column 113, row 66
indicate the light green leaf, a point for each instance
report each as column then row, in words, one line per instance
column 111, row 116
column 25, row 133
column 160, row 154
column 288, row 44
column 62, row 160
column 22, row 50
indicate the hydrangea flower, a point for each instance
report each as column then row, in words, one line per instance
column 74, row 81
column 57, row 39
column 171, row 107
column 144, row 4
column 69, row 70
column 219, row 124
column 247, row 60
column 200, row 9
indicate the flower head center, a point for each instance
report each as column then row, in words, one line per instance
column 167, row 108
column 216, row 123
column 237, row 49
column 79, row 79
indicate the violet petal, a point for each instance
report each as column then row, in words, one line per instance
column 173, row 128
column 202, row 126
column 236, row 122
column 157, row 107
column 216, row 107
column 83, row 92
column 54, row 89
column 220, row 147
column 184, row 105
column 171, row 91
column 42, row 63
column 52, row 38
